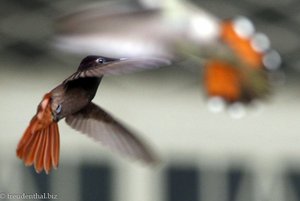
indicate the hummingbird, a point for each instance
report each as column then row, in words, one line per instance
column 236, row 59
column 72, row 100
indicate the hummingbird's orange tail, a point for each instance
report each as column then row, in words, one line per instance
column 39, row 145
column 241, row 78
column 221, row 79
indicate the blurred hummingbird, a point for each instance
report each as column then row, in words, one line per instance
column 72, row 100
column 236, row 59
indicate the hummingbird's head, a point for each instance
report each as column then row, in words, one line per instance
column 94, row 60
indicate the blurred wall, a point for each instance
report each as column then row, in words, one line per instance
column 204, row 156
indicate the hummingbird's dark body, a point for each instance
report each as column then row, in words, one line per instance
column 71, row 100
column 73, row 96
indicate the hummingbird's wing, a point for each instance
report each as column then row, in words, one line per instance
column 119, row 67
column 116, row 30
column 119, row 33
column 101, row 126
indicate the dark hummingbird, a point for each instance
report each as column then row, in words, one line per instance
column 72, row 100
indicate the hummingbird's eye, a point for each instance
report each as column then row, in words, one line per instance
column 100, row 61
column 58, row 109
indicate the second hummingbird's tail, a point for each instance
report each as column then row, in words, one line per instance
column 221, row 79
column 224, row 80
column 242, row 75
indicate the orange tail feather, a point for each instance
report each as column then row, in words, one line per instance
column 38, row 159
column 55, row 142
column 41, row 149
column 241, row 46
column 31, row 149
column 221, row 79
column 39, row 145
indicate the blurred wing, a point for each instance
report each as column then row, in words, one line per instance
column 101, row 126
column 120, row 67
column 115, row 31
